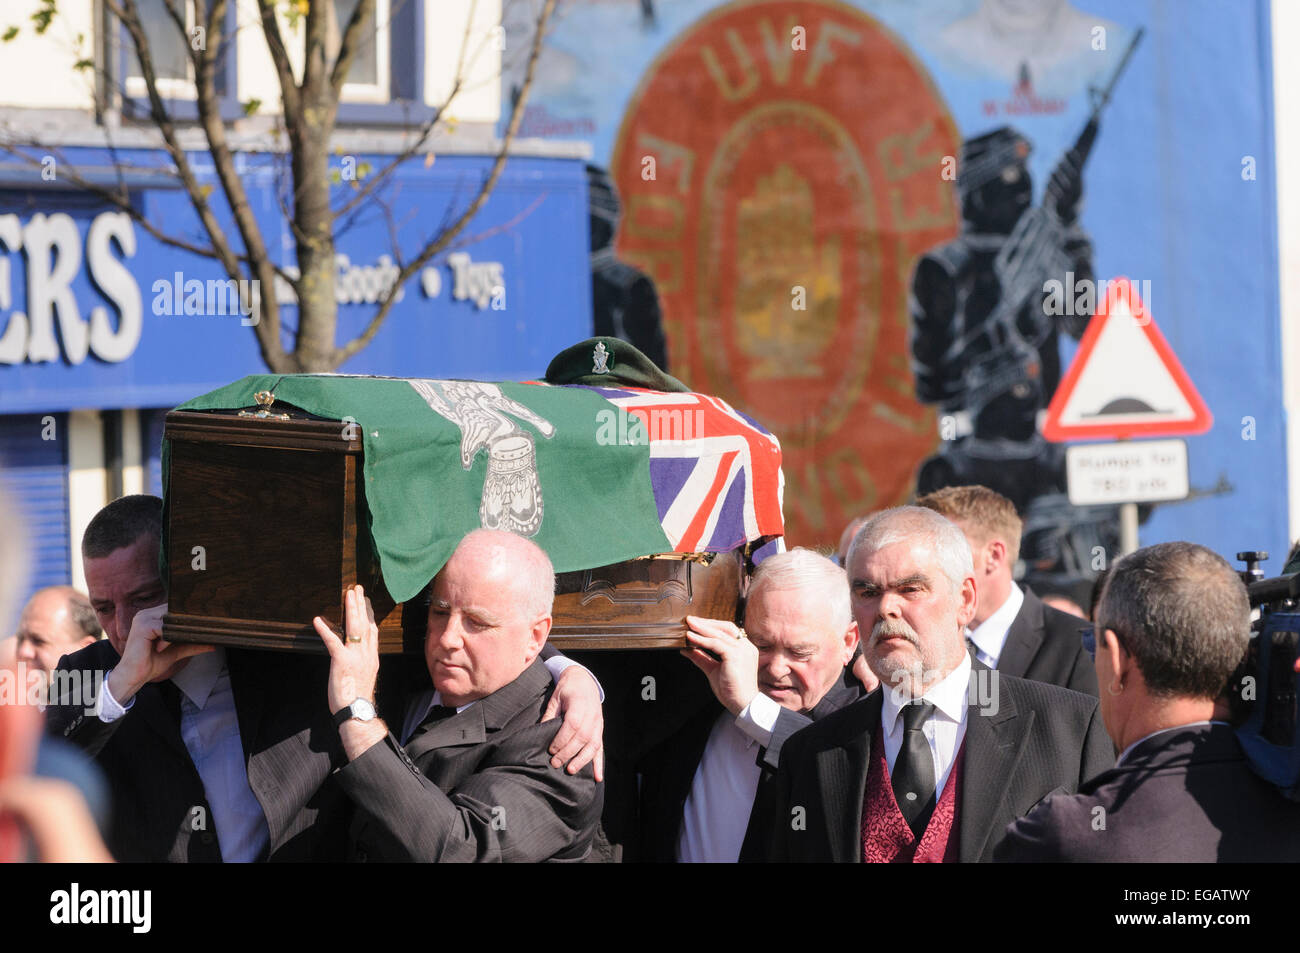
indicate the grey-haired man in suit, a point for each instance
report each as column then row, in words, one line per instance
column 470, row 778
column 1012, row 630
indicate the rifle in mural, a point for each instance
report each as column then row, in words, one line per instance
column 1034, row 253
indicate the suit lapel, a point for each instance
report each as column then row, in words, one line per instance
column 1024, row 638
column 842, row 779
column 471, row 726
column 994, row 745
column 249, row 703
column 464, row 728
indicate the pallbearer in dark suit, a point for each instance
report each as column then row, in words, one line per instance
column 935, row 763
column 1012, row 630
column 472, row 778
column 197, row 744
column 1173, row 623
column 785, row 670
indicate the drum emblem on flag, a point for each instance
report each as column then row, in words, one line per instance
column 512, row 492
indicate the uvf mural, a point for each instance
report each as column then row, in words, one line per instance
column 882, row 228
column 779, row 215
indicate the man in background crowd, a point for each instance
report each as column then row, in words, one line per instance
column 56, row 621
column 1012, row 630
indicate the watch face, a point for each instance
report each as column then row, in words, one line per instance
column 363, row 710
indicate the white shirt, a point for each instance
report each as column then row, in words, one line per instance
column 717, row 808
column 991, row 634
column 210, row 730
column 944, row 730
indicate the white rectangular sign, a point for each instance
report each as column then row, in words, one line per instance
column 1140, row 471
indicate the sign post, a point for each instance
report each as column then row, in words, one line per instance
column 1125, row 383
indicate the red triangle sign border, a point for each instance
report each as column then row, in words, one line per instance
column 1057, row 432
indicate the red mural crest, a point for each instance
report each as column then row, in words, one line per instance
column 781, row 166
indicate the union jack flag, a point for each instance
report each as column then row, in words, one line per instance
column 716, row 473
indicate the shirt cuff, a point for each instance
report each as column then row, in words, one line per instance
column 107, row 708
column 556, row 665
column 758, row 718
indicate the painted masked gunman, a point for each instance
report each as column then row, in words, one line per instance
column 984, row 339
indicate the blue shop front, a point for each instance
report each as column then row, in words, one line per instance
column 104, row 327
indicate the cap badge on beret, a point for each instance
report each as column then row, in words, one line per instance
column 600, row 359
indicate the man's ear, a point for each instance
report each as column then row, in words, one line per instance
column 966, row 601
column 537, row 638
column 996, row 551
column 1118, row 657
column 850, row 641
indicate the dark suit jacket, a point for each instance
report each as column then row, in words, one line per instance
column 1187, row 795
column 1041, row 739
column 290, row 748
column 669, row 771
column 1045, row 645
column 477, row 786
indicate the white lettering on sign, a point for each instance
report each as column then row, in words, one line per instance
column 475, row 281
column 353, row 284
column 53, row 250
column 1127, row 472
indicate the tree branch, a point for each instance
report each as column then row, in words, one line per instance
column 290, row 98
column 349, row 45
column 129, row 16
column 267, row 329
column 315, row 55
column 444, row 239
column 377, row 179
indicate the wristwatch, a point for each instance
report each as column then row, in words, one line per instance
column 360, row 709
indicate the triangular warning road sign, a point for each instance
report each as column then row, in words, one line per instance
column 1125, row 381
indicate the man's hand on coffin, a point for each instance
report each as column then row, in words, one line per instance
column 581, row 739
column 354, row 665
column 727, row 658
column 147, row 657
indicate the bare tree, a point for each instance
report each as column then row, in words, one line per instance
column 315, row 212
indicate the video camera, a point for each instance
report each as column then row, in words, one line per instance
column 1263, row 689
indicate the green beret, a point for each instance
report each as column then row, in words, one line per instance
column 608, row 362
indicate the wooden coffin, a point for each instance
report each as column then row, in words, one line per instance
column 265, row 529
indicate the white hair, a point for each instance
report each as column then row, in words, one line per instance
column 913, row 524
column 800, row 568
column 530, row 566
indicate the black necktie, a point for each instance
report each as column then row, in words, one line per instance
column 913, row 774
column 436, row 714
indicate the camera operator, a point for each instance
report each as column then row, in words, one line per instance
column 1172, row 625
